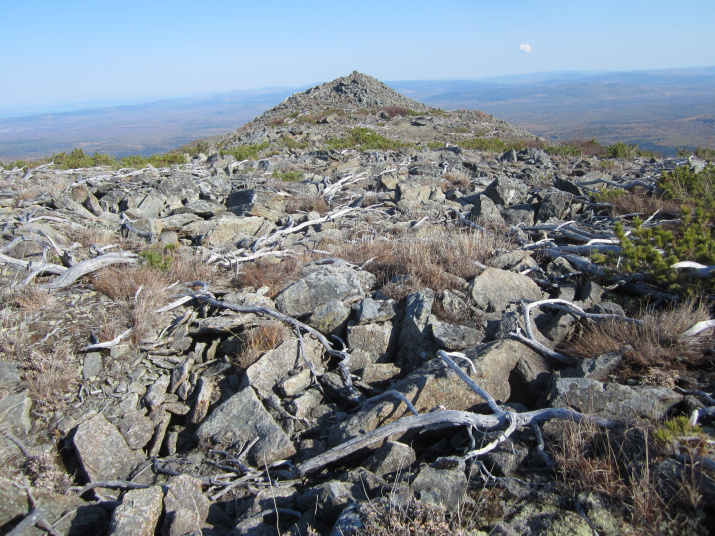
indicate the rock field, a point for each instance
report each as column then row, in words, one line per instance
column 299, row 340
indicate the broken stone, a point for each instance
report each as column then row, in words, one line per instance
column 241, row 419
column 493, row 289
column 92, row 441
column 612, row 400
column 139, row 513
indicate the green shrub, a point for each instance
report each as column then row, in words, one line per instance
column 156, row 160
column 705, row 154
column 78, row 159
column 156, row 259
column 245, row 152
column 653, row 250
column 288, row 176
column 690, row 188
column 364, row 139
column 622, row 150
column 290, row 143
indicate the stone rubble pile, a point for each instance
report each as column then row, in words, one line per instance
column 196, row 435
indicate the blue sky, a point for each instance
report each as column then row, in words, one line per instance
column 59, row 52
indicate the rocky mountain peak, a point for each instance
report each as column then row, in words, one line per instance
column 348, row 93
column 309, row 120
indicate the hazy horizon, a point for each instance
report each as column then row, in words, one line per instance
column 90, row 53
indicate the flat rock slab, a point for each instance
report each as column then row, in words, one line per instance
column 493, row 289
column 612, row 400
column 318, row 288
column 279, row 362
column 103, row 452
column 241, row 419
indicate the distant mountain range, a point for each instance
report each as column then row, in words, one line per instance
column 659, row 110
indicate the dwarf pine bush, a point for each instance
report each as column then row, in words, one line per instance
column 652, row 251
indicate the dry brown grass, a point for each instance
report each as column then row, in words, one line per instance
column 47, row 473
column 654, row 343
column 49, row 375
column 456, row 179
column 312, row 203
column 441, row 262
column 29, row 298
column 272, row 273
column 639, row 201
column 137, row 292
column 187, row 268
column 93, row 235
column 384, row 518
column 618, row 465
column 258, row 340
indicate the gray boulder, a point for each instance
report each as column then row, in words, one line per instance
column 555, row 205
column 612, row 400
column 485, row 209
column 239, row 420
column 281, row 361
column 333, row 282
column 377, row 340
column 442, row 482
column 455, row 337
column 264, row 204
column 415, row 343
column 102, row 451
column 368, row 311
column 493, row 289
column 507, row 192
column 391, row 457
column 185, row 506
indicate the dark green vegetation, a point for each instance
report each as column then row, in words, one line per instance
column 245, row 152
column 77, row 159
column 364, row 139
column 653, row 250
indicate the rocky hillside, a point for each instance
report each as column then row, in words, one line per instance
column 307, row 120
column 351, row 316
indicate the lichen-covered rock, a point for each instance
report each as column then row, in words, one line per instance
column 442, row 482
column 613, row 400
column 185, row 506
column 333, row 282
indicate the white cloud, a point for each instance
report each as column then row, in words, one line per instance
column 525, row 48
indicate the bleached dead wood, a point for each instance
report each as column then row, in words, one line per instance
column 92, row 265
column 696, row 329
column 695, row 270
column 109, row 344
column 564, row 305
column 441, row 418
column 31, row 266
column 507, row 421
